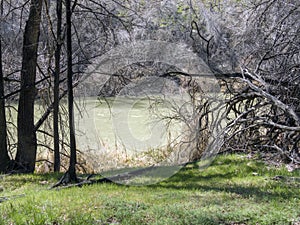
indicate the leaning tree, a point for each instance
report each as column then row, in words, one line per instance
column 255, row 45
column 269, row 55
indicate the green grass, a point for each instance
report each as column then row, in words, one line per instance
column 233, row 190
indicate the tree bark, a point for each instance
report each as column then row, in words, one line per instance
column 27, row 144
column 4, row 158
column 56, row 87
column 72, row 166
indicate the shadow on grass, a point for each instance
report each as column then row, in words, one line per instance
column 261, row 190
column 219, row 177
column 17, row 180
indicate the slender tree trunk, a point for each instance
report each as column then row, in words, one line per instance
column 4, row 158
column 27, row 144
column 72, row 166
column 56, row 87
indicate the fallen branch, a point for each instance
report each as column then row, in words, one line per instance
column 7, row 198
column 64, row 183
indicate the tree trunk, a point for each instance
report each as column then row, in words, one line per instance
column 27, row 144
column 4, row 158
column 72, row 166
column 56, row 87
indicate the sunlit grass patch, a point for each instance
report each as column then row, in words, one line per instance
column 233, row 190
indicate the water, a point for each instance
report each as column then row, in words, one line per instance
column 120, row 132
column 125, row 134
column 126, row 126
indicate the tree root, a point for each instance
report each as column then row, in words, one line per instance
column 65, row 181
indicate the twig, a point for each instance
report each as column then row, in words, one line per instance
column 7, row 198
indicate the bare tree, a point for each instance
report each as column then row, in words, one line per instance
column 260, row 42
column 253, row 48
column 72, row 166
column 27, row 145
column 4, row 158
column 270, row 68
column 56, row 86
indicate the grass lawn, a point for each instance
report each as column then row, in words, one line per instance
column 233, row 190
